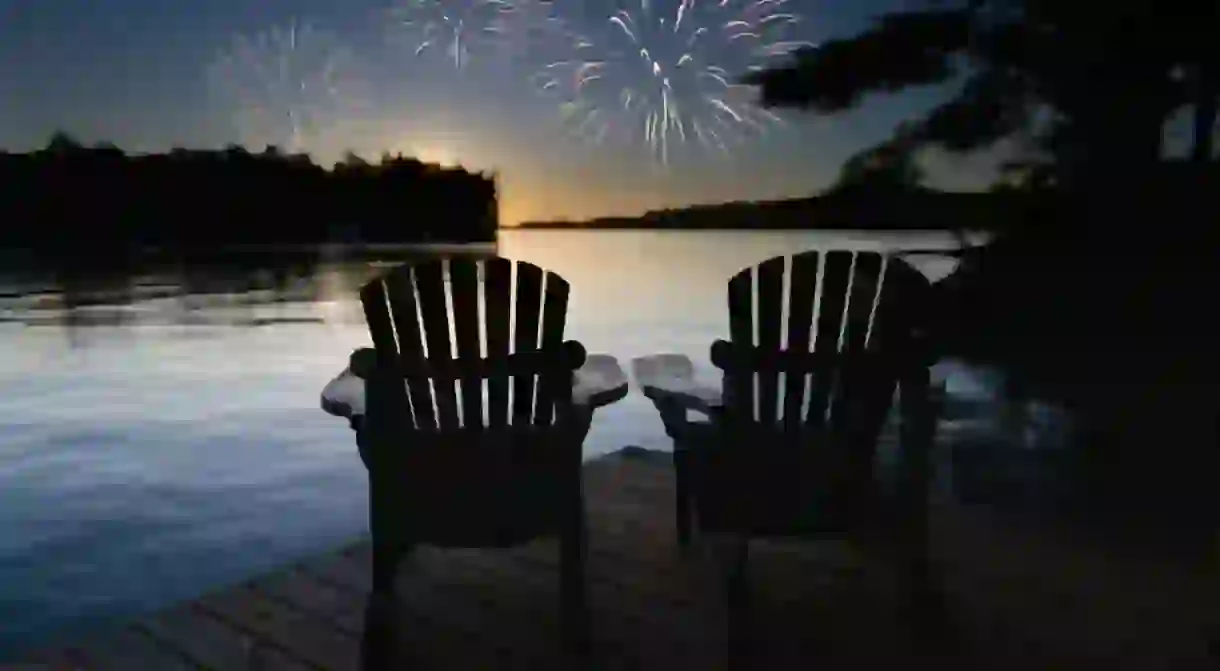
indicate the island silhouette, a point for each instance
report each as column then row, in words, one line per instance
column 71, row 199
column 867, row 206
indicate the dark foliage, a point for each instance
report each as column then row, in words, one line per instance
column 1098, row 300
column 890, row 168
column 1104, row 309
column 68, row 198
column 1083, row 87
column 902, row 50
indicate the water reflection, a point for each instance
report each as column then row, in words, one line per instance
column 161, row 419
column 244, row 289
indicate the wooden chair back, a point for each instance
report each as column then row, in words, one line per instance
column 804, row 328
column 819, row 343
column 500, row 362
column 470, row 435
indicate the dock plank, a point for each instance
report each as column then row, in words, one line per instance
column 1015, row 601
column 344, row 609
column 212, row 644
column 422, row 641
column 56, row 659
column 306, row 639
column 465, row 588
column 125, row 649
column 427, row 611
column 425, row 608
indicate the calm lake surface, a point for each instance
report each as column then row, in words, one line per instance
column 156, row 446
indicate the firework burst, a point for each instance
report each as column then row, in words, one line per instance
column 666, row 72
column 287, row 86
column 461, row 30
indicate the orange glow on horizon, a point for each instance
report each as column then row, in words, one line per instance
column 441, row 156
column 529, row 189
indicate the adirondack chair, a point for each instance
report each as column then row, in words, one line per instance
column 448, row 465
column 789, row 449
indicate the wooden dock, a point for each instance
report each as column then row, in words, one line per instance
column 1013, row 603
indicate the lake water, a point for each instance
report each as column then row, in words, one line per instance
column 155, row 448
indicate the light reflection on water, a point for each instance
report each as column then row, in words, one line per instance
column 168, row 439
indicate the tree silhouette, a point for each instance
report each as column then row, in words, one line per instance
column 1107, row 324
column 890, row 167
column 63, row 143
column 1083, row 86
column 74, row 201
column 353, row 160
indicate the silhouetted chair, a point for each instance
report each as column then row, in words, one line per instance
column 448, row 466
column 791, row 443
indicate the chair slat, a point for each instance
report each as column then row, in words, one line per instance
column 756, row 489
column 739, row 389
column 388, row 399
column 802, row 291
column 430, row 282
column 770, row 325
column 836, row 274
column 904, row 300
column 497, row 301
column 735, row 358
column 553, row 387
column 512, row 365
column 464, row 288
column 406, row 324
column 454, row 488
column 866, row 280
column 377, row 314
column 870, row 393
column 525, row 338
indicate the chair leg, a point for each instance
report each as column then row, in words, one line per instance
column 738, row 592
column 574, row 607
column 673, row 416
column 378, row 644
column 923, row 604
column 386, row 556
column 682, row 497
column 388, row 532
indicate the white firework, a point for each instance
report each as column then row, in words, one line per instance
column 289, row 85
column 459, row 30
column 668, row 73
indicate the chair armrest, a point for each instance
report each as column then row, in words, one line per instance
column 600, row 381
column 669, row 380
column 363, row 362
column 343, row 396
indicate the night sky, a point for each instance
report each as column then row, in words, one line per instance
column 152, row 74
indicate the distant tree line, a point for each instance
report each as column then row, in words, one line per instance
column 68, row 197
column 849, row 205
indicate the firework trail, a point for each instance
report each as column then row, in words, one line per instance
column 458, row 29
column 468, row 30
column 666, row 71
column 286, row 86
